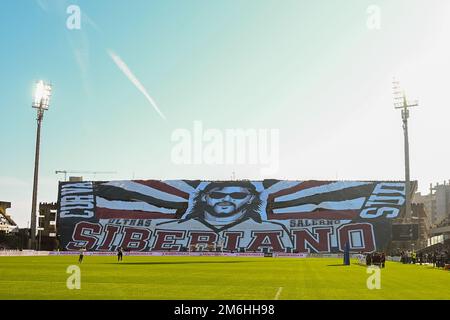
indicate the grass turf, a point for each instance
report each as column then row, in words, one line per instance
column 167, row 278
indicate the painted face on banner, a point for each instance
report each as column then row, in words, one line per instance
column 227, row 201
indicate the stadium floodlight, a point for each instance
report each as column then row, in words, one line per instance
column 41, row 102
column 400, row 102
column 42, row 95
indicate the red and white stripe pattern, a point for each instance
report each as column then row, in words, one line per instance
column 319, row 200
column 152, row 199
column 141, row 199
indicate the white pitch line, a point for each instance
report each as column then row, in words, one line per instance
column 278, row 293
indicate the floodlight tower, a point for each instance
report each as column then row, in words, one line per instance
column 41, row 102
column 400, row 102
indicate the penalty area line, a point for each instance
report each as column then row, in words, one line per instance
column 278, row 293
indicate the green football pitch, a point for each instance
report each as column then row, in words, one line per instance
column 228, row 278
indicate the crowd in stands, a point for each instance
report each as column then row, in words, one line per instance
column 443, row 223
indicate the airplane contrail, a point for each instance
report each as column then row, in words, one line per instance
column 122, row 66
column 42, row 5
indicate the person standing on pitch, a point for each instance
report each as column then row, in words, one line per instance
column 82, row 250
column 119, row 254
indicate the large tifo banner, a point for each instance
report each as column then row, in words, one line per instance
column 231, row 216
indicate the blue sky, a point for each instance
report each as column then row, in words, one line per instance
column 312, row 70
